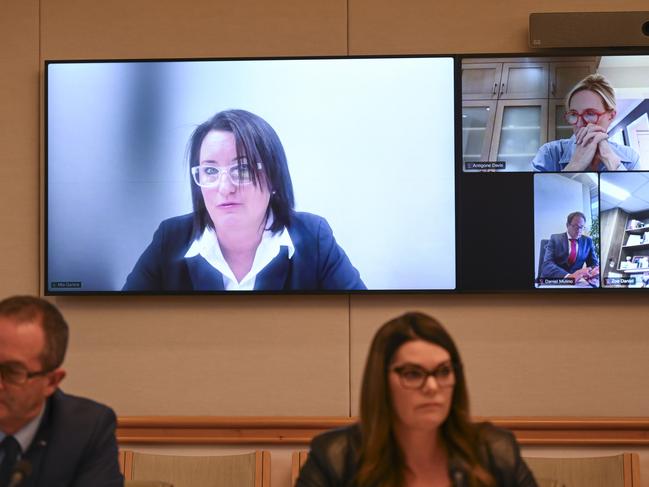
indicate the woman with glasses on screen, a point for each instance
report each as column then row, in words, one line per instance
column 244, row 233
column 590, row 111
column 414, row 427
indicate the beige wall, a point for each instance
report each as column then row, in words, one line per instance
column 19, row 146
column 236, row 355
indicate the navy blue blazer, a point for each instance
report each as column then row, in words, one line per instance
column 555, row 262
column 74, row 446
column 317, row 264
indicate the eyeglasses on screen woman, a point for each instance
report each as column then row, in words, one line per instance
column 588, row 116
column 209, row 175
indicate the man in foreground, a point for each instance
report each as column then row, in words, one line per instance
column 47, row 438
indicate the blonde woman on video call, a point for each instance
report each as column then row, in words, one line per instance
column 590, row 111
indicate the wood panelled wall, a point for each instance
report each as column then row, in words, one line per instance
column 526, row 355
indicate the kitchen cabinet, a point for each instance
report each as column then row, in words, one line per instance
column 511, row 106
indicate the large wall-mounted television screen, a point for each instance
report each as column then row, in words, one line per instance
column 252, row 175
column 554, row 172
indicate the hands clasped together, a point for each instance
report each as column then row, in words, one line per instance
column 591, row 148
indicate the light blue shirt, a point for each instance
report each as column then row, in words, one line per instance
column 25, row 435
column 555, row 155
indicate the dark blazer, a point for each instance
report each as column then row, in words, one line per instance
column 317, row 264
column 333, row 456
column 555, row 262
column 74, row 446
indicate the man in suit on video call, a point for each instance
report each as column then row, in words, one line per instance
column 566, row 253
column 47, row 438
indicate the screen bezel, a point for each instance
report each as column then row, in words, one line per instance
column 461, row 216
column 46, row 251
column 461, row 221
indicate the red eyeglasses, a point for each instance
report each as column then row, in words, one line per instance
column 588, row 116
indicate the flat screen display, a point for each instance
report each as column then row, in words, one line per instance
column 252, row 175
column 553, row 177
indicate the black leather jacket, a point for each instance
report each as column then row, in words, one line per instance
column 332, row 459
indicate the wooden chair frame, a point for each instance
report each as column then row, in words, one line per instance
column 262, row 466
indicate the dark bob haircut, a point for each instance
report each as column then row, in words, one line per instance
column 257, row 142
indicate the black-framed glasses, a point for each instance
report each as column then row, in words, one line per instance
column 17, row 374
column 209, row 175
column 414, row 377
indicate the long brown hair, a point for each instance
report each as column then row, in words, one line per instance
column 381, row 462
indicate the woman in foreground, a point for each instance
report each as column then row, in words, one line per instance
column 414, row 428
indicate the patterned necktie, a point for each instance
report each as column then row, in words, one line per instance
column 572, row 256
column 11, row 449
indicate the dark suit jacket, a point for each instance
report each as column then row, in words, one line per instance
column 333, row 458
column 555, row 262
column 317, row 264
column 74, row 446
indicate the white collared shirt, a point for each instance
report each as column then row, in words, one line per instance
column 208, row 247
column 25, row 435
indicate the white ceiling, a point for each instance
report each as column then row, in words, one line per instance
column 623, row 61
column 586, row 178
column 629, row 75
column 636, row 183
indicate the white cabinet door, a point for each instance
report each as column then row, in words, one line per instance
column 521, row 130
column 477, row 129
